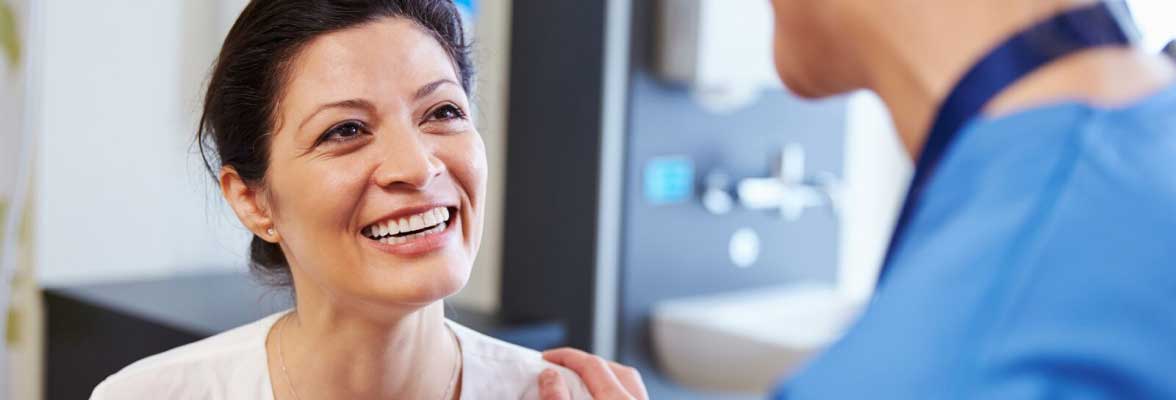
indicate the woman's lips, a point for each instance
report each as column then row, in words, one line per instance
column 419, row 243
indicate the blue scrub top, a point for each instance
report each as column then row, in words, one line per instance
column 1041, row 264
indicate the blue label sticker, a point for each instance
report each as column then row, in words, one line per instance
column 669, row 180
column 468, row 9
column 470, row 6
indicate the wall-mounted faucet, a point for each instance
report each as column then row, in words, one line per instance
column 790, row 191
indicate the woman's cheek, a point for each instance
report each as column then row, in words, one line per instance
column 466, row 158
column 478, row 160
column 334, row 189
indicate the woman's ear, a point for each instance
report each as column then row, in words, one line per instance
column 249, row 204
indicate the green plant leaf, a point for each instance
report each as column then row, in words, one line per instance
column 14, row 327
column 9, row 39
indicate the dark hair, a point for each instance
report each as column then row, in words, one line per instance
column 253, row 66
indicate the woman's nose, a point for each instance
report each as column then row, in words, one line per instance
column 406, row 160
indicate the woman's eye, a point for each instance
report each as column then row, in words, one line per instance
column 343, row 132
column 445, row 113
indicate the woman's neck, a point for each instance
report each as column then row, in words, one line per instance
column 914, row 55
column 330, row 353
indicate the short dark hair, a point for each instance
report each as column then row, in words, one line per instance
column 252, row 69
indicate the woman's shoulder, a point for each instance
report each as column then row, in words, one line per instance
column 496, row 369
column 226, row 365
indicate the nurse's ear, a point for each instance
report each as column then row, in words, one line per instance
column 249, row 203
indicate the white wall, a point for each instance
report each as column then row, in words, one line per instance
column 877, row 171
column 120, row 194
column 1156, row 20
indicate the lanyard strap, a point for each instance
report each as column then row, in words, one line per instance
column 1028, row 50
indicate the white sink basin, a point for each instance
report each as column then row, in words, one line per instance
column 747, row 341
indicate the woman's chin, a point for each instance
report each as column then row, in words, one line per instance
column 419, row 285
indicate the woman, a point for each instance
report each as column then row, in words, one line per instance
column 1035, row 254
column 345, row 145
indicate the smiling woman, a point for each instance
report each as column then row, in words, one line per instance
column 339, row 132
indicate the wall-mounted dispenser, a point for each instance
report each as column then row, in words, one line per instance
column 720, row 49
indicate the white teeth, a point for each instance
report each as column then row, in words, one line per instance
column 435, row 220
column 404, row 239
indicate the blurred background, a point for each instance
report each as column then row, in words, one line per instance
column 656, row 196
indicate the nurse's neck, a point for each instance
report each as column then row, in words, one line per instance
column 913, row 56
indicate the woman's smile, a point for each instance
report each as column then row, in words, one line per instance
column 411, row 232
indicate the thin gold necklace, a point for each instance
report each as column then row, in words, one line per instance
column 286, row 373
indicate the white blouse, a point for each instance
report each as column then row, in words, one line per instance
column 233, row 366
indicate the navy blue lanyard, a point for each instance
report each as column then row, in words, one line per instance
column 1041, row 44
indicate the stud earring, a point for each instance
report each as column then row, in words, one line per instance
column 270, row 231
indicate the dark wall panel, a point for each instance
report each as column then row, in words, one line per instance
column 553, row 151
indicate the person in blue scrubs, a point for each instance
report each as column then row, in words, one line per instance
column 1036, row 252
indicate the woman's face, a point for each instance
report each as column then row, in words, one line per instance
column 377, row 173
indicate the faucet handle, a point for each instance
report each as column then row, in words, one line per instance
column 761, row 193
column 791, row 190
column 792, row 164
column 772, row 193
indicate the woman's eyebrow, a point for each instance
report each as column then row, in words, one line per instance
column 361, row 104
column 432, row 87
column 358, row 104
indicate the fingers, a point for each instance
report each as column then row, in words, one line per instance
column 552, row 386
column 600, row 376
